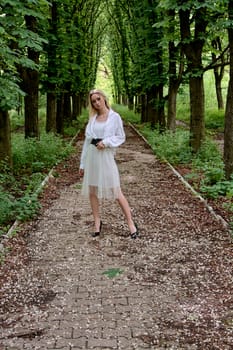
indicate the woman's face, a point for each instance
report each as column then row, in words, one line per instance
column 97, row 101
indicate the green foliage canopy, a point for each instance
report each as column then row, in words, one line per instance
column 15, row 40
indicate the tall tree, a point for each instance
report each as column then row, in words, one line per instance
column 50, row 83
column 121, row 59
column 15, row 40
column 5, row 137
column 139, row 69
column 175, row 67
column 218, row 70
column 193, row 42
column 228, row 131
column 30, row 84
column 73, row 53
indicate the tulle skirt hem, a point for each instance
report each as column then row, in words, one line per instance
column 101, row 175
column 102, row 193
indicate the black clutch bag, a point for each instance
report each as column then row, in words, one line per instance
column 95, row 141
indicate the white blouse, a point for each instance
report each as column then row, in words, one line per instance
column 113, row 137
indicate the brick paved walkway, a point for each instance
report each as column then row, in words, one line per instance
column 93, row 295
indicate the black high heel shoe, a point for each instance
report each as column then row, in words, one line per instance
column 96, row 234
column 135, row 234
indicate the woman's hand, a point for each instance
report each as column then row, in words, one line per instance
column 100, row 145
column 81, row 172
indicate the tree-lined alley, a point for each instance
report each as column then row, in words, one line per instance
column 152, row 49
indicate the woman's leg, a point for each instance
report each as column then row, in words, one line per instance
column 127, row 212
column 95, row 210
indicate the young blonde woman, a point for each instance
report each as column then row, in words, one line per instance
column 104, row 133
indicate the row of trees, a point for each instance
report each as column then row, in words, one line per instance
column 149, row 45
column 162, row 44
column 48, row 47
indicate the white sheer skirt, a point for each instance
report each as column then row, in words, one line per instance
column 101, row 175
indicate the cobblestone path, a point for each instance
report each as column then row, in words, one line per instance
column 116, row 293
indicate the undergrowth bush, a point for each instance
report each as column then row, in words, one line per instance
column 174, row 147
column 34, row 155
column 17, row 121
column 6, row 206
column 214, row 119
column 209, row 162
column 32, row 159
column 220, row 188
column 26, row 207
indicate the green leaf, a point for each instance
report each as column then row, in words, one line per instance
column 113, row 272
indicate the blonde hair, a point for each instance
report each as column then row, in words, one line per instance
column 92, row 110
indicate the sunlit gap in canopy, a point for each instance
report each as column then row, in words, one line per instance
column 104, row 80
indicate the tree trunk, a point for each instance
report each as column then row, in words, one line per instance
column 218, row 88
column 31, row 87
column 218, row 72
column 82, row 102
column 228, row 131
column 31, row 104
column 76, row 106
column 161, row 113
column 197, row 120
column 125, row 100
column 143, row 108
column 51, row 125
column 5, row 138
column 171, row 108
column 174, row 78
column 51, row 112
column 152, row 106
column 131, row 103
column 137, row 105
column 193, row 50
column 67, row 107
column 60, row 114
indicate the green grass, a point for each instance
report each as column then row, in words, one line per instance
column 126, row 114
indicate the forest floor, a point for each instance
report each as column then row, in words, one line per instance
column 172, row 288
